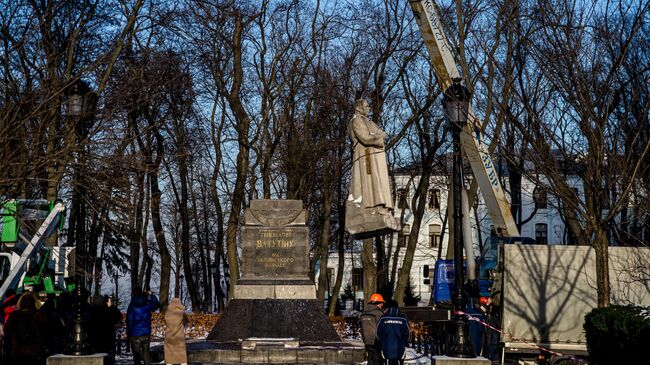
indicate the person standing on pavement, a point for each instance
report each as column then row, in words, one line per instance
column 369, row 319
column 23, row 334
column 393, row 333
column 138, row 324
column 105, row 317
column 8, row 306
column 175, row 321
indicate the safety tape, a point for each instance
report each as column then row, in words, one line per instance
column 472, row 318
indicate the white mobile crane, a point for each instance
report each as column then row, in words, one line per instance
column 472, row 142
column 474, row 147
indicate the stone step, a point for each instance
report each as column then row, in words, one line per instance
column 208, row 352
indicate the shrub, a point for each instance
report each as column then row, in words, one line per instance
column 410, row 299
column 618, row 334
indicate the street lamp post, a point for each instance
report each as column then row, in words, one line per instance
column 456, row 105
column 79, row 345
column 81, row 104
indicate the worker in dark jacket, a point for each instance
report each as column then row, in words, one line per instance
column 138, row 324
column 369, row 319
column 393, row 334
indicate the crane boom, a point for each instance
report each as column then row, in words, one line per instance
column 444, row 65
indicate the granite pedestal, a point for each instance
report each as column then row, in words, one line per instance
column 274, row 316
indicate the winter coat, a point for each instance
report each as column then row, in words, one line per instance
column 138, row 315
column 102, row 331
column 9, row 306
column 393, row 334
column 369, row 319
column 369, row 178
column 175, row 320
column 23, row 335
column 50, row 320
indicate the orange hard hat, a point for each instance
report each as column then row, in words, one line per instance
column 376, row 298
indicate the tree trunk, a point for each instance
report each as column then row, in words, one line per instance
column 165, row 257
column 201, row 240
column 600, row 245
column 135, row 227
column 334, row 295
column 147, row 259
column 218, row 251
column 185, row 230
column 208, row 280
column 325, row 236
column 421, row 201
column 340, row 211
column 369, row 269
column 242, row 126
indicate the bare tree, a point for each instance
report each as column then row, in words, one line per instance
column 580, row 50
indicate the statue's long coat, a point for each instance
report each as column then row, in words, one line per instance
column 369, row 181
column 175, row 319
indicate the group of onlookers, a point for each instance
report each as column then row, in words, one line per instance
column 31, row 329
column 35, row 328
column 385, row 331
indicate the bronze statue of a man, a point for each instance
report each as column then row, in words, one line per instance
column 370, row 204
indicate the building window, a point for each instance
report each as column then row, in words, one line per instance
column 434, row 235
column 357, row 279
column 402, row 199
column 425, row 274
column 540, row 198
column 570, row 238
column 330, row 278
column 403, row 238
column 434, row 199
column 541, row 233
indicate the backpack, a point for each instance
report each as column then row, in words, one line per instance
column 369, row 328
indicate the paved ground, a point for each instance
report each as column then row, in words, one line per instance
column 411, row 356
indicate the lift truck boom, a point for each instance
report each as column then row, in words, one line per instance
column 472, row 143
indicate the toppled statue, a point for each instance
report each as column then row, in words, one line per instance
column 369, row 206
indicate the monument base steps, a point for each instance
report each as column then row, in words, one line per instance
column 445, row 360
column 209, row 352
column 94, row 359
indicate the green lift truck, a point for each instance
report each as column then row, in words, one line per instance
column 26, row 262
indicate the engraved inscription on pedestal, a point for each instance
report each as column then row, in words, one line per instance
column 275, row 253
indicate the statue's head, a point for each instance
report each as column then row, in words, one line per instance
column 361, row 106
